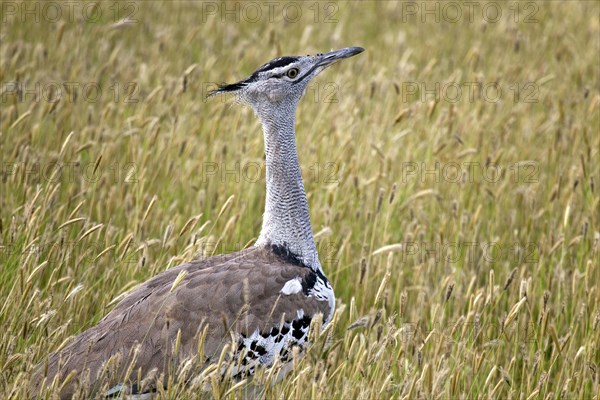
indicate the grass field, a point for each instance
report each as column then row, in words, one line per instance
column 452, row 171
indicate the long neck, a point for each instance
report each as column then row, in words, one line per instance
column 286, row 221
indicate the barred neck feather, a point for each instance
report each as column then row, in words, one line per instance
column 286, row 221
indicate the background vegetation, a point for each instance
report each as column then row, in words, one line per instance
column 452, row 172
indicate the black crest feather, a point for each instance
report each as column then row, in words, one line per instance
column 276, row 63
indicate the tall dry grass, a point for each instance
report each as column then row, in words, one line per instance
column 452, row 172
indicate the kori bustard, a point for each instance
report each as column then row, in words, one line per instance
column 260, row 300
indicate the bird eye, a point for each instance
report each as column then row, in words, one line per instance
column 292, row 73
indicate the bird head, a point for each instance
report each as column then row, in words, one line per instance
column 282, row 81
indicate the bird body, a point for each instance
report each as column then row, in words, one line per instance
column 260, row 301
column 240, row 292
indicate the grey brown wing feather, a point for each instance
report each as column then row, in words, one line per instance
column 238, row 293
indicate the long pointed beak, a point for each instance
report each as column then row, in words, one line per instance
column 329, row 58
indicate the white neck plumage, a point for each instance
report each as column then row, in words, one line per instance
column 286, row 221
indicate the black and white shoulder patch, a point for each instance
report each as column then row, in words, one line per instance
column 262, row 348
